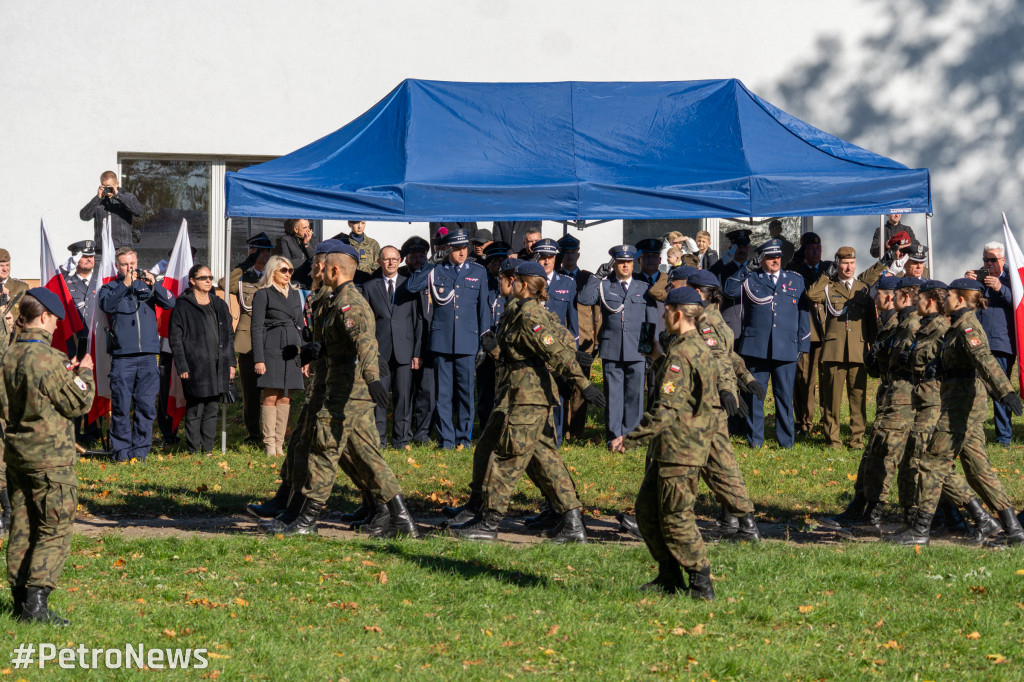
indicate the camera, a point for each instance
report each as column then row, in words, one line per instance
column 108, row 191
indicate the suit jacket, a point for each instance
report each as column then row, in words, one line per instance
column 619, row 336
column 399, row 323
column 850, row 319
column 588, row 316
column 776, row 322
column 459, row 298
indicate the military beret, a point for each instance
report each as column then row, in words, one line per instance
column 916, row 252
column 683, row 296
column 5, row 256
column 260, row 241
column 568, row 243
column 49, row 300
column 482, row 236
column 338, row 246
column 650, row 245
column 509, row 265
column 496, row 250
column 909, row 282
column 846, row 252
column 413, row 244
column 703, row 278
column 681, row 272
column 933, row 285
column 327, row 246
column 770, row 249
column 738, row 236
column 545, row 247
column 901, row 238
column 532, row 268
column 622, row 252
column 808, row 238
column 457, row 238
column 967, row 284
column 86, row 247
column 888, row 283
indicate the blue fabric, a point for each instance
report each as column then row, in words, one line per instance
column 783, row 375
column 133, row 378
column 454, row 379
column 1000, row 415
column 779, row 328
column 443, row 151
column 624, row 391
column 997, row 319
column 132, row 313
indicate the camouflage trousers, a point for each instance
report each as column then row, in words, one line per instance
column 528, row 438
column 885, row 452
column 722, row 473
column 664, row 513
column 349, row 441
column 954, row 486
column 44, row 502
column 295, row 465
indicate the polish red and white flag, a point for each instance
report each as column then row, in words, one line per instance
column 1015, row 264
column 176, row 282
column 106, row 271
column 53, row 279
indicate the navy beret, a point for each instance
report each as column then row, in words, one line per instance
column 888, row 283
column 338, row 246
column 49, row 300
column 509, row 265
column 967, row 284
column 531, row 267
column 326, row 246
column 681, row 272
column 683, row 296
column 933, row 285
column 909, row 282
column 702, row 278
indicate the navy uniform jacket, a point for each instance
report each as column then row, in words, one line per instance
column 562, row 302
column 619, row 337
column 83, row 294
column 997, row 319
column 730, row 308
column 495, row 301
column 398, row 324
column 459, row 299
column 776, row 322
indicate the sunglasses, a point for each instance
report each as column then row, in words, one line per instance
column 989, row 260
column 203, row 278
column 286, row 271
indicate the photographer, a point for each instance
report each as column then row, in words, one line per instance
column 130, row 302
column 120, row 205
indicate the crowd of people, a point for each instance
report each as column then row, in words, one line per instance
column 439, row 334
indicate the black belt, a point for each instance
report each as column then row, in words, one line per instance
column 960, row 374
column 335, row 361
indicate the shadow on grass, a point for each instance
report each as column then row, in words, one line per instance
column 464, row 568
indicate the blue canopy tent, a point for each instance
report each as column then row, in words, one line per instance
column 443, row 151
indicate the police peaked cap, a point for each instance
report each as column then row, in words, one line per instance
column 260, row 241
column 49, row 300
column 738, row 236
column 457, row 238
column 568, row 243
column 651, row 245
column 545, row 247
column 622, row 252
column 770, row 249
column 414, row 244
column 86, row 247
column 916, row 252
column 496, row 250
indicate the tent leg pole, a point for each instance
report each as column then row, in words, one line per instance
column 224, row 429
column 928, row 238
column 227, row 280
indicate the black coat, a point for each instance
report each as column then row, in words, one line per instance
column 399, row 326
column 276, row 322
column 208, row 374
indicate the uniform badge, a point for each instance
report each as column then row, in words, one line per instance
column 668, row 387
column 345, row 308
column 711, row 342
column 705, row 330
column 968, row 330
column 350, row 323
column 440, row 290
column 675, row 368
column 537, row 328
column 548, row 340
column 975, row 342
column 81, row 384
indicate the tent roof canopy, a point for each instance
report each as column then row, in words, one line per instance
column 444, row 151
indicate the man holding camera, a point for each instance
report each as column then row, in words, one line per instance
column 121, row 206
column 130, row 302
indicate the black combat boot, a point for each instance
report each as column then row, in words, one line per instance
column 271, row 507
column 18, row 594
column 956, row 524
column 628, row 525
column 728, row 524
column 471, row 504
column 35, row 608
column 871, row 521
column 362, row 513
column 1012, row 533
column 746, row 530
column 917, row 534
column 378, row 523
column 571, row 529
column 548, row 519
column 285, row 518
column 853, row 513
column 399, row 519
column 984, row 525
column 700, row 585
column 483, row 527
column 669, row 579
column 305, row 523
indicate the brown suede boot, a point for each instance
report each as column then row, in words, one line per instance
column 268, row 423
column 282, row 425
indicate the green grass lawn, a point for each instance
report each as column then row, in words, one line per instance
column 318, row 608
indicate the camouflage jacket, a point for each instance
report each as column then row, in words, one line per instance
column 717, row 335
column 678, row 427
column 902, row 340
column 39, row 399
column 877, row 358
column 501, row 373
column 966, row 358
column 924, row 361
column 350, row 346
column 533, row 343
column 319, row 303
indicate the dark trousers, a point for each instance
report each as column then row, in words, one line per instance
column 486, row 375
column 1001, row 416
column 250, row 396
column 164, row 420
column 624, row 391
column 423, row 401
column 782, row 374
column 804, row 403
column 134, row 383
column 201, row 423
column 455, row 376
column 577, row 409
column 398, row 383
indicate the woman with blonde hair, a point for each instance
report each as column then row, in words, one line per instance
column 276, row 321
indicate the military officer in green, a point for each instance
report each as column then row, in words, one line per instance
column 969, row 372
column 6, row 329
column 41, row 393
column 346, row 431
column 530, row 343
column 677, row 430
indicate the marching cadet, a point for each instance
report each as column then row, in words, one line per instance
column 6, row 330
column 677, row 430
column 243, row 285
column 624, row 307
column 562, row 302
column 776, row 329
column 346, row 432
column 589, row 319
column 850, row 326
column 732, row 262
column 807, row 263
column 458, row 292
column 41, row 393
column 969, row 371
column 528, row 347
column 491, row 257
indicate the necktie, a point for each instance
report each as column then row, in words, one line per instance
column 391, row 293
column 625, row 288
column 775, row 280
column 849, row 284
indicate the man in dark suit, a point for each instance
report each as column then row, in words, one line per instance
column 396, row 315
column 414, row 252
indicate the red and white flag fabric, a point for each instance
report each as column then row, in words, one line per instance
column 53, row 279
column 105, row 271
column 1015, row 264
column 176, row 282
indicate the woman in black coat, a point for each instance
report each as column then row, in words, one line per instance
column 203, row 345
column 276, row 321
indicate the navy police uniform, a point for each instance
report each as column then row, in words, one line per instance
column 83, row 293
column 776, row 329
column 656, row 281
column 562, row 302
column 723, row 269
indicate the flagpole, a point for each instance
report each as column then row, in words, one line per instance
column 928, row 236
column 227, row 282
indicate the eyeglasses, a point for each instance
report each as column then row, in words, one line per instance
column 990, row 260
column 203, row 278
column 286, row 271
column 391, row 260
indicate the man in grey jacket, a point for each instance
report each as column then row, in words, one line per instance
column 121, row 206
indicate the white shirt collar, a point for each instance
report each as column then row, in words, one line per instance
column 627, row 282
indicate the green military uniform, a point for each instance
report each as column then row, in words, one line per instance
column 678, row 430
column 243, row 286
column 5, row 502
column 40, row 397
column 15, row 287
column 369, row 252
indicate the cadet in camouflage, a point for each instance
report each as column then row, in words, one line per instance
column 6, row 325
column 41, row 394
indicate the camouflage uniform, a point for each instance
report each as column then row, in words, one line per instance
column 678, row 431
column 530, row 343
column 345, row 433
column 369, row 252
column 40, row 397
column 5, row 340
column 968, row 367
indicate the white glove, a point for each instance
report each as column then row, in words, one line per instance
column 689, row 246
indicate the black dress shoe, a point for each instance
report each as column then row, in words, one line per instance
column 271, row 507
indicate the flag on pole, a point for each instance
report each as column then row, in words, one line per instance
column 106, row 271
column 53, row 279
column 176, row 281
column 1015, row 264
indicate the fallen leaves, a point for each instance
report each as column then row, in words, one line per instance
column 996, row 658
column 412, row 462
column 974, row 635
column 381, row 577
column 372, row 628
column 805, row 609
column 553, row 630
column 118, row 563
column 695, row 631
